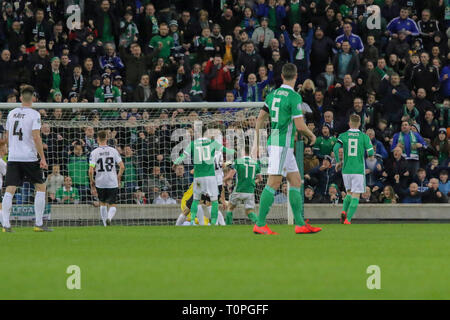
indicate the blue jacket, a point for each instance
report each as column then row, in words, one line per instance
column 444, row 187
column 261, row 10
column 445, row 84
column 307, row 46
column 355, row 42
column 381, row 150
column 408, row 143
column 260, row 85
column 325, row 178
column 398, row 24
column 413, row 199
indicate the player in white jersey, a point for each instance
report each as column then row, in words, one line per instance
column 106, row 183
column 23, row 129
column 3, row 152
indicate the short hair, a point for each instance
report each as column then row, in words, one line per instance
column 27, row 93
column 289, row 71
column 102, row 135
column 355, row 119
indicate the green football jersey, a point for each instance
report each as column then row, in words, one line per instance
column 355, row 144
column 283, row 105
column 203, row 151
column 246, row 171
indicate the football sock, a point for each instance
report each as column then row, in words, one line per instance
column 352, row 208
column 220, row 219
column 111, row 212
column 1, row 217
column 6, row 208
column 180, row 220
column 103, row 213
column 200, row 216
column 347, row 200
column 194, row 208
column 39, row 207
column 252, row 216
column 265, row 204
column 214, row 212
column 296, row 202
column 229, row 217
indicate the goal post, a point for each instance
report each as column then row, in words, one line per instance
column 149, row 136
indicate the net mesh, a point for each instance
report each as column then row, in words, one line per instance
column 148, row 139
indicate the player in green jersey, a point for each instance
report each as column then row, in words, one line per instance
column 283, row 106
column 355, row 144
column 247, row 169
column 205, row 181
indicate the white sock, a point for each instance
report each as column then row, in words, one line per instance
column 181, row 219
column 200, row 216
column 1, row 217
column 6, row 209
column 111, row 212
column 39, row 207
column 220, row 219
column 103, row 214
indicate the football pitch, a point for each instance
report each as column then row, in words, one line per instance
column 168, row 262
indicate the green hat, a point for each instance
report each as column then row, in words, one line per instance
column 334, row 185
column 56, row 92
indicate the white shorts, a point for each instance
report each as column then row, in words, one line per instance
column 354, row 182
column 247, row 198
column 206, row 186
column 281, row 161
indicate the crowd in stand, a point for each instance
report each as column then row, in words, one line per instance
column 385, row 60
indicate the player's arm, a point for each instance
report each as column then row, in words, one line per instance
column 92, row 179
column 39, row 147
column 229, row 175
column 186, row 152
column 369, row 147
column 259, row 178
column 262, row 117
column 121, row 171
column 301, row 126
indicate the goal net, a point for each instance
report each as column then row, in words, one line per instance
column 148, row 137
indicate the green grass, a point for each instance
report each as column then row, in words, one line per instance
column 227, row 262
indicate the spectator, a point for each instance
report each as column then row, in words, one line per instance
column 321, row 53
column 78, row 167
column 425, row 75
column 410, row 143
column 353, row 40
column 105, row 22
column 67, row 194
column 311, row 196
column 163, row 41
column 164, row 198
column 377, row 75
column 128, row 30
column 325, row 143
column 332, row 195
column 54, row 181
column 402, row 22
column 111, row 59
column 441, row 145
column 180, row 182
column 218, row 76
column 412, row 194
column 388, row 195
column 252, row 90
column 368, row 197
column 444, row 183
column 107, row 92
column 263, row 34
column 378, row 145
column 323, row 175
column 433, row 194
column 142, row 93
column 394, row 95
column 282, row 197
column 346, row 62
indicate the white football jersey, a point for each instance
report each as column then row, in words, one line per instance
column 2, row 172
column 218, row 166
column 20, row 124
column 104, row 160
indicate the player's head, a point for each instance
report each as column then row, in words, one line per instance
column 26, row 94
column 102, row 136
column 354, row 122
column 289, row 72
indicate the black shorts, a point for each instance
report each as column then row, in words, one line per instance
column 107, row 195
column 18, row 172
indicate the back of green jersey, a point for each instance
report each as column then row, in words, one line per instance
column 246, row 171
column 355, row 144
column 203, row 151
column 283, row 104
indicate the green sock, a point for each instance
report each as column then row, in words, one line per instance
column 194, row 207
column 296, row 201
column 265, row 204
column 252, row 216
column 347, row 200
column 229, row 217
column 214, row 212
column 352, row 208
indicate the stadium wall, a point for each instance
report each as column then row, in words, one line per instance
column 312, row 211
